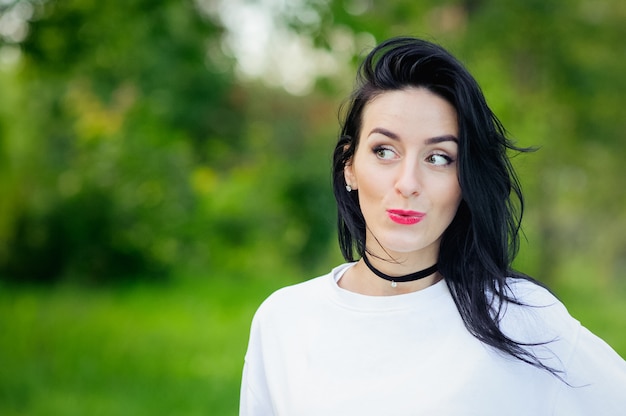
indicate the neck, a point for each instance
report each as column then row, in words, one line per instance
column 395, row 279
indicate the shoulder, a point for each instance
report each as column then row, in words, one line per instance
column 292, row 301
column 531, row 292
column 534, row 317
column 294, row 295
column 536, row 311
column 527, row 294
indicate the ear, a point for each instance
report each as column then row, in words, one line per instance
column 349, row 176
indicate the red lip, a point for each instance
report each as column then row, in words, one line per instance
column 405, row 217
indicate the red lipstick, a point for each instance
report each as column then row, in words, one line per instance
column 405, row 217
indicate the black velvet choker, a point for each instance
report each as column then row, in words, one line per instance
column 406, row 278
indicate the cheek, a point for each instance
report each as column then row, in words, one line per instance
column 373, row 185
column 450, row 198
column 456, row 202
column 373, row 193
column 363, row 174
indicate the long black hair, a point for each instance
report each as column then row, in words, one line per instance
column 478, row 247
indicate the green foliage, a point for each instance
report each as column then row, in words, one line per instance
column 274, row 210
column 133, row 110
column 140, row 154
column 117, row 102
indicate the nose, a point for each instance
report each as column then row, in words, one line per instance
column 408, row 180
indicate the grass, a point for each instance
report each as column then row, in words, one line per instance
column 167, row 349
column 154, row 350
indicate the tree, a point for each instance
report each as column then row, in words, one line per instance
column 112, row 105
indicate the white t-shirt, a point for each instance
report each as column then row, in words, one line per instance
column 317, row 349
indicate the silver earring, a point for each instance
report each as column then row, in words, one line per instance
column 348, row 188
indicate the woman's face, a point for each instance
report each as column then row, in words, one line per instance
column 405, row 171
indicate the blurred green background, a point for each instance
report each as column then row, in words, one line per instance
column 164, row 166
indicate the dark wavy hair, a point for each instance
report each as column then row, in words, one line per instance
column 478, row 247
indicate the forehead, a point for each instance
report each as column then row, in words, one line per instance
column 411, row 108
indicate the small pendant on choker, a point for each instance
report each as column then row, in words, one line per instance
column 406, row 278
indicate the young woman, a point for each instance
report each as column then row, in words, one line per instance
column 427, row 318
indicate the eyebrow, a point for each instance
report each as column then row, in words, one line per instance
column 431, row 140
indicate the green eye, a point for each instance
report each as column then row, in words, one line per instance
column 384, row 153
column 439, row 160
